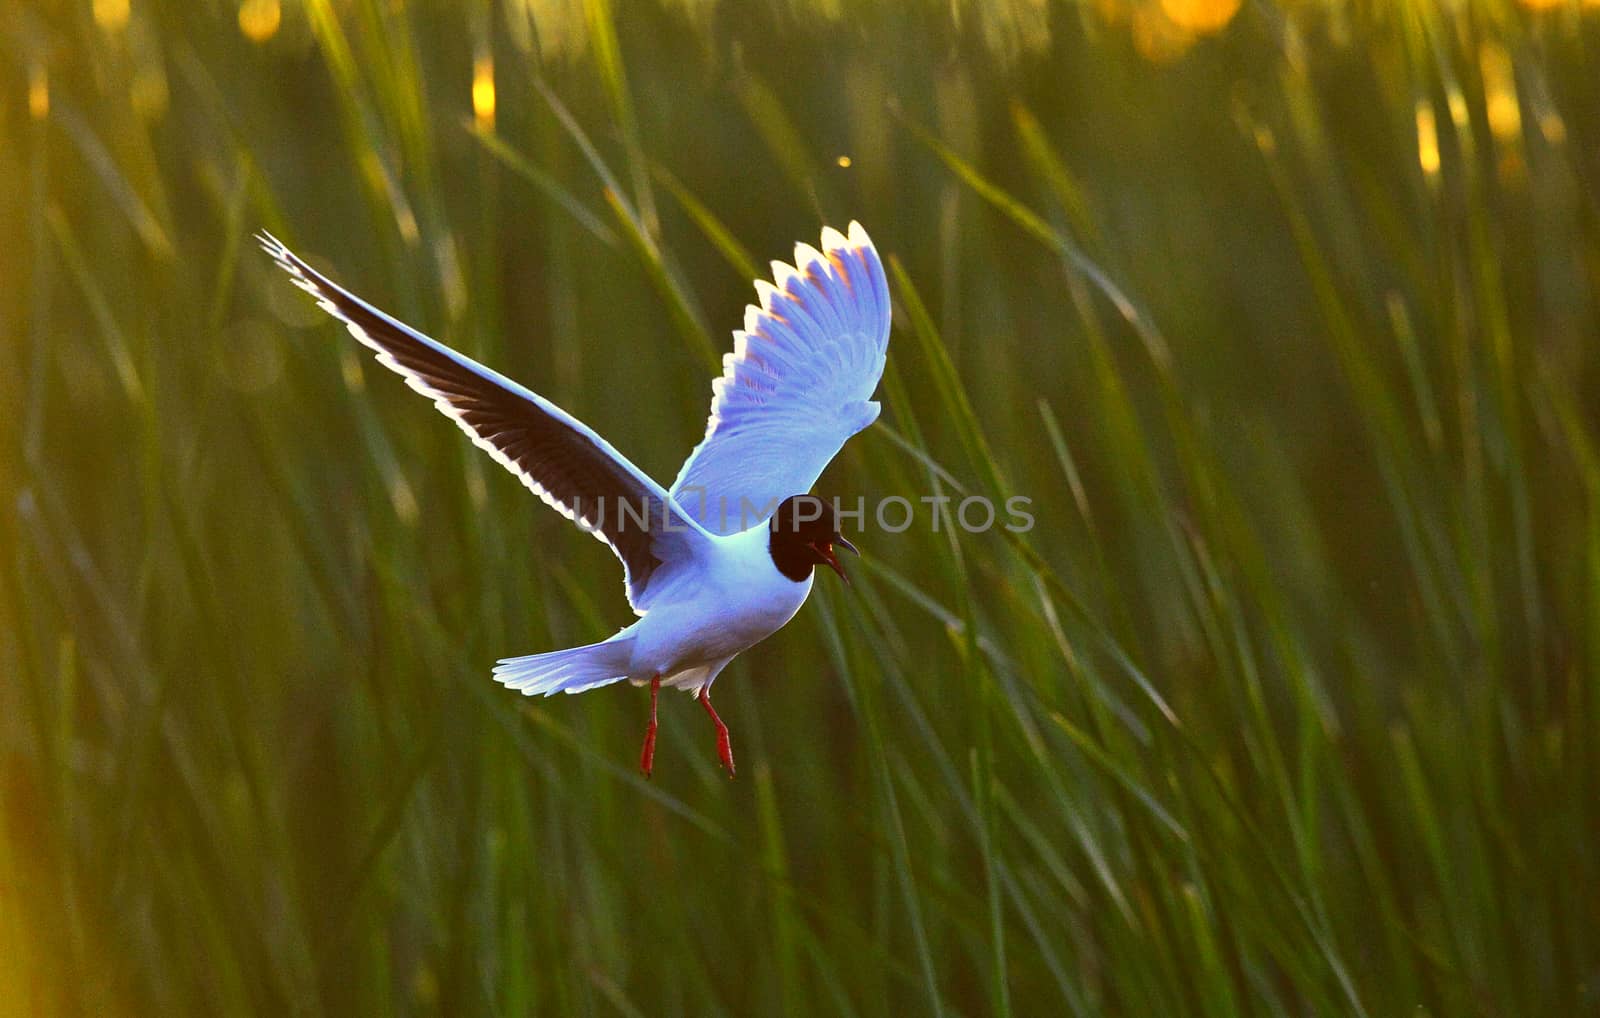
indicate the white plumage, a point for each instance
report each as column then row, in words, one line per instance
column 701, row 565
column 797, row 385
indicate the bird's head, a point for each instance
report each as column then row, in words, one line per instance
column 804, row 532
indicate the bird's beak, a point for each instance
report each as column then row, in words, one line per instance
column 826, row 551
column 847, row 546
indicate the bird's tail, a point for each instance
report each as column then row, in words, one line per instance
column 568, row 671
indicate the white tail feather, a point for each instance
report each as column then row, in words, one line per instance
column 567, row 671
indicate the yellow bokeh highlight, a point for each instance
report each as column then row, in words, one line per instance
column 483, row 100
column 1505, row 116
column 1500, row 92
column 844, row 162
column 1157, row 38
column 1543, row 5
column 38, row 93
column 111, row 15
column 1200, row 16
column 259, row 19
column 1427, row 139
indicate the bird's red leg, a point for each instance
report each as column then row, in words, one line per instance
column 647, row 757
column 724, row 747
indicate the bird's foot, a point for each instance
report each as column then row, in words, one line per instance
column 647, row 756
column 724, row 746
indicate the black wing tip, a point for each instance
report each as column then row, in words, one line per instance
column 300, row 272
column 280, row 253
column 272, row 245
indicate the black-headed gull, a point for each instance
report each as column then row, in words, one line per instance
column 725, row 558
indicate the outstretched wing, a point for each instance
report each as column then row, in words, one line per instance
column 560, row 459
column 796, row 386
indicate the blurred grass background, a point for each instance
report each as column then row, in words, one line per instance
column 1283, row 315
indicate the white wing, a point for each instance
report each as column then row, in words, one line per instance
column 560, row 459
column 796, row 385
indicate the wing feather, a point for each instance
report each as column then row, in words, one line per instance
column 564, row 462
column 797, row 385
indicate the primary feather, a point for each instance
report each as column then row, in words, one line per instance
column 556, row 455
column 797, row 385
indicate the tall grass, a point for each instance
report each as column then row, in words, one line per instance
column 1287, row 704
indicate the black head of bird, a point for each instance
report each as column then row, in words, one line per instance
column 804, row 532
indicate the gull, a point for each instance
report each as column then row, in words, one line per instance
column 724, row 558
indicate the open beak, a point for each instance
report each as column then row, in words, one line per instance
column 826, row 551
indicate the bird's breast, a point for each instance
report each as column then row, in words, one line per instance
column 753, row 600
column 728, row 603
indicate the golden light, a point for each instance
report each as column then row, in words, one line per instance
column 1157, row 38
column 1427, row 139
column 1505, row 116
column 1543, row 5
column 1495, row 64
column 1200, row 16
column 844, row 162
column 1500, row 90
column 38, row 93
column 111, row 15
column 483, row 92
column 259, row 19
